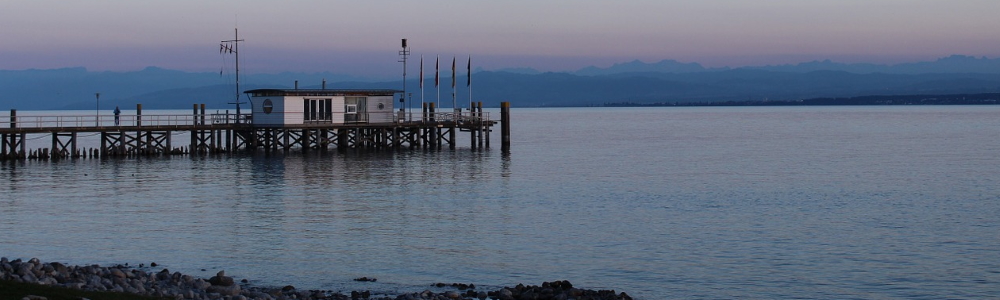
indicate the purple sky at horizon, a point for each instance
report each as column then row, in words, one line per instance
column 362, row 37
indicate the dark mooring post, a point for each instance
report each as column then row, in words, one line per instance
column 482, row 123
column 423, row 113
column 452, row 129
column 435, row 139
column 423, row 132
column 138, row 115
column 473, row 125
column 342, row 139
column 505, row 126
column 55, row 146
column 194, row 133
column 104, row 145
column 202, row 132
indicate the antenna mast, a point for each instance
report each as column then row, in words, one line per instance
column 233, row 46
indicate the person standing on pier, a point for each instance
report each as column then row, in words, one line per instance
column 117, row 113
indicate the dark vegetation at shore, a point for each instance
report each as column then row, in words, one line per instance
column 956, row 99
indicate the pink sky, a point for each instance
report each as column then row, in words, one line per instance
column 362, row 37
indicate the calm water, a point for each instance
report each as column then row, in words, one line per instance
column 688, row 203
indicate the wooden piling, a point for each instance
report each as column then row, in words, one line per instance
column 480, row 124
column 435, row 132
column 505, row 126
column 343, row 134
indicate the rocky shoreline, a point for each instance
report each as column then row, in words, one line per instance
column 178, row 286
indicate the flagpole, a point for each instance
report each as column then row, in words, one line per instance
column 422, row 83
column 436, row 86
column 469, row 83
column 454, row 90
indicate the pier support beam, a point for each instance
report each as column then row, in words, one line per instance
column 13, row 143
column 63, row 148
column 342, row 139
column 13, row 146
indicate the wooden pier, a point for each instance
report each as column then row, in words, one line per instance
column 154, row 135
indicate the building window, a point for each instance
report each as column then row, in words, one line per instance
column 317, row 110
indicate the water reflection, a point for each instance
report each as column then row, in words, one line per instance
column 674, row 203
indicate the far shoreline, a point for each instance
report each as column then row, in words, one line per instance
column 871, row 100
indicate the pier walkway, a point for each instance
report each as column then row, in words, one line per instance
column 201, row 133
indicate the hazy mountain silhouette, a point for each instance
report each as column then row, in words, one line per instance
column 75, row 88
column 636, row 66
column 950, row 64
column 560, row 89
column 666, row 81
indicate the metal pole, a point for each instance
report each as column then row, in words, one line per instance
column 236, row 40
column 469, row 85
column 421, row 80
column 437, row 80
column 235, row 50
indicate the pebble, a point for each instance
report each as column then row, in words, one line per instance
column 221, row 287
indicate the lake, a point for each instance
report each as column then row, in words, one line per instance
column 862, row 202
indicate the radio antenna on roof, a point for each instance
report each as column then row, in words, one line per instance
column 233, row 46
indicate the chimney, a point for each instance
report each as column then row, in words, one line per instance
column 296, row 84
column 324, row 83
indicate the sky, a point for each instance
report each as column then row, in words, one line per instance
column 362, row 38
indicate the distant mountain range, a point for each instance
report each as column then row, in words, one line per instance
column 950, row 64
column 666, row 81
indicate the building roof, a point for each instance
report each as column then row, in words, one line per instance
column 323, row 92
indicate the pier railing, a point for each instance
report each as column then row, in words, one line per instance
column 60, row 121
column 460, row 117
column 80, row 121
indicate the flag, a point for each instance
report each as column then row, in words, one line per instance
column 452, row 72
column 421, row 71
column 469, row 68
column 436, row 63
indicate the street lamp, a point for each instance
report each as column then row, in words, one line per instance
column 97, row 122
